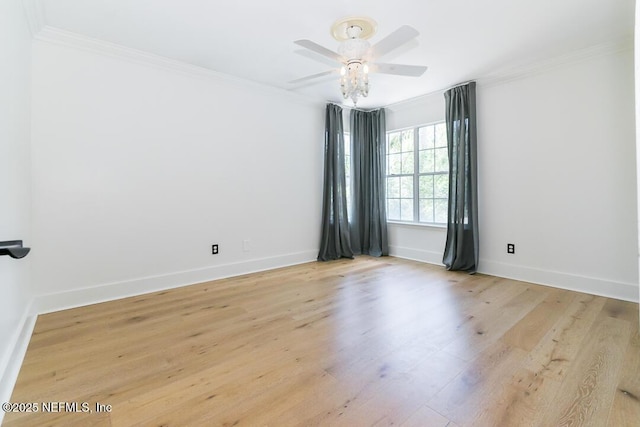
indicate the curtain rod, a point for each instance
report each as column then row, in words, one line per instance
column 348, row 107
column 459, row 84
column 399, row 102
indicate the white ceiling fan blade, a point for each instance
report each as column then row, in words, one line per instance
column 312, row 79
column 316, row 57
column 315, row 47
column 399, row 69
column 394, row 40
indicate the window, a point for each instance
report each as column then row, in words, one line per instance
column 418, row 174
column 347, row 171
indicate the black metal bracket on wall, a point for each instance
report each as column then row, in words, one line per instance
column 14, row 249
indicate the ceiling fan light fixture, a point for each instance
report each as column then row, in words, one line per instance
column 354, row 80
column 352, row 33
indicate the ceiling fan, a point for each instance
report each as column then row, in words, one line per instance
column 358, row 58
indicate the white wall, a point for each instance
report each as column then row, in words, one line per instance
column 139, row 168
column 15, row 187
column 556, row 177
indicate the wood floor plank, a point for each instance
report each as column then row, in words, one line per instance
column 520, row 402
column 563, row 342
column 587, row 392
column 476, row 389
column 626, row 403
column 370, row 341
column 527, row 396
column 528, row 332
column 487, row 327
column 426, row 416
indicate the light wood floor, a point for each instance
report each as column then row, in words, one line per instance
column 353, row 343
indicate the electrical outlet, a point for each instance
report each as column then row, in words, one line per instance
column 246, row 245
column 511, row 248
column 214, row 249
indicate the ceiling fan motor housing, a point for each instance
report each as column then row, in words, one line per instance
column 353, row 49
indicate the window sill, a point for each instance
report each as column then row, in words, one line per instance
column 418, row 224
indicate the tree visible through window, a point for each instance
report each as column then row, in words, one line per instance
column 418, row 174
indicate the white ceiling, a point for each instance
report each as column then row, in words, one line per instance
column 253, row 39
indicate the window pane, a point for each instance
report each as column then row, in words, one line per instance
column 393, row 209
column 442, row 160
column 407, row 140
column 426, row 187
column 406, row 187
column 441, row 135
column 440, row 208
column 441, row 186
column 393, row 187
column 347, row 169
column 406, row 209
column 427, row 158
column 395, row 164
column 426, row 210
column 394, row 143
column 426, row 137
column 407, row 162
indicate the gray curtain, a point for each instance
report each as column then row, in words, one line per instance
column 461, row 249
column 335, row 240
column 368, row 150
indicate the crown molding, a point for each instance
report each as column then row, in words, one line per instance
column 533, row 68
column 34, row 13
column 45, row 33
column 66, row 38
column 522, row 71
column 74, row 40
column 53, row 35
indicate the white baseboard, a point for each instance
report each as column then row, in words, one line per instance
column 573, row 282
column 48, row 303
column 12, row 362
column 416, row 254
